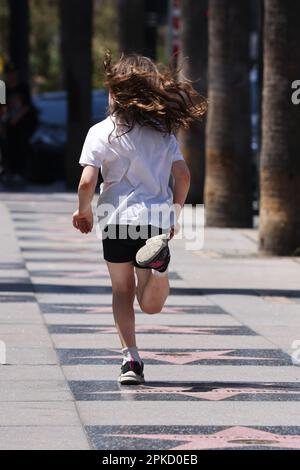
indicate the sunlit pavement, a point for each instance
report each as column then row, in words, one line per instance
column 218, row 360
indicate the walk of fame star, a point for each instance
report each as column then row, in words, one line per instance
column 199, row 390
column 153, row 329
column 232, row 437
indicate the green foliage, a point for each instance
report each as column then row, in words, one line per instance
column 45, row 45
column 45, row 41
column 162, row 55
column 105, row 35
column 45, row 61
column 4, row 26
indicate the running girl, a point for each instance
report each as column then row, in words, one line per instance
column 137, row 151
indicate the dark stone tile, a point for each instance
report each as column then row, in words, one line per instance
column 25, row 228
column 16, row 287
column 237, row 357
column 28, row 211
column 102, row 308
column 193, row 437
column 68, row 289
column 174, row 276
column 16, row 298
column 51, row 249
column 23, row 219
column 13, row 280
column 12, row 265
column 96, row 390
column 76, row 308
column 60, row 259
column 231, row 291
column 154, row 329
column 65, row 274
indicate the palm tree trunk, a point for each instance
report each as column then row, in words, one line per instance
column 193, row 57
column 228, row 182
column 151, row 12
column 19, row 37
column 279, row 228
column 132, row 17
column 76, row 33
column 138, row 20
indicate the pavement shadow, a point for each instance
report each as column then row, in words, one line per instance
column 180, row 291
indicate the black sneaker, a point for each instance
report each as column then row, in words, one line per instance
column 132, row 373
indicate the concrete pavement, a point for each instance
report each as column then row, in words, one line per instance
column 218, row 365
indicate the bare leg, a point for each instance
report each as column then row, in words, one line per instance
column 123, row 287
column 152, row 291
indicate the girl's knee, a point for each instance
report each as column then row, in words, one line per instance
column 151, row 309
column 123, row 290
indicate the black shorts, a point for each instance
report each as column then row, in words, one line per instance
column 122, row 242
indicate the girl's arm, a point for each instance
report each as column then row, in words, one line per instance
column 182, row 179
column 83, row 217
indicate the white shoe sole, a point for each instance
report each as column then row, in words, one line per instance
column 162, row 236
column 131, row 378
column 148, row 252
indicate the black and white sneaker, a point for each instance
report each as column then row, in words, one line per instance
column 132, row 373
column 155, row 254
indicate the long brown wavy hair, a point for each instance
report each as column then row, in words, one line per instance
column 150, row 95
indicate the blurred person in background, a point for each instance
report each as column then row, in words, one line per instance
column 3, row 153
column 18, row 123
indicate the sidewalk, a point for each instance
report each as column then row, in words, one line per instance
column 217, row 359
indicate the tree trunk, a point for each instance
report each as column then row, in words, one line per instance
column 131, row 26
column 279, row 228
column 151, row 21
column 138, row 20
column 193, row 57
column 228, row 182
column 19, row 37
column 256, row 89
column 76, row 34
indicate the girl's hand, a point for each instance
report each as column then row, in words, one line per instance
column 83, row 221
column 174, row 230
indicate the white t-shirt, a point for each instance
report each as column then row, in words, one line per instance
column 136, row 169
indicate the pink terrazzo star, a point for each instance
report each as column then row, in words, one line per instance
column 176, row 329
column 179, row 358
column 103, row 309
column 61, row 238
column 216, row 394
column 234, row 437
column 187, row 357
column 175, row 309
column 86, row 274
column 154, row 329
column 108, row 309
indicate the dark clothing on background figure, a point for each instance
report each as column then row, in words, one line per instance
column 20, row 125
column 22, row 89
column 18, row 141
